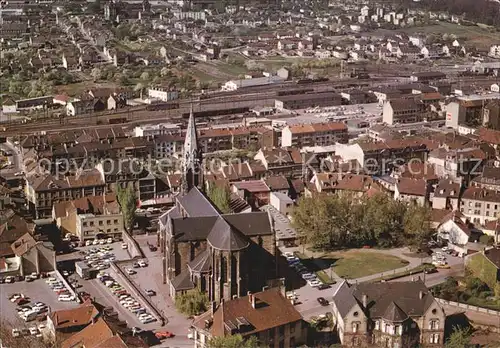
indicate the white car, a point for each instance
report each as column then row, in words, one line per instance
column 445, row 248
column 33, row 331
column 65, row 298
column 109, row 240
column 95, row 242
column 16, row 333
column 102, row 241
column 88, row 243
column 124, row 246
column 142, row 263
column 9, row 279
column 130, row 271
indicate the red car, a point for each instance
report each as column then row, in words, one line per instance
column 163, row 334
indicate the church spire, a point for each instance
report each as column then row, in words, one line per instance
column 192, row 157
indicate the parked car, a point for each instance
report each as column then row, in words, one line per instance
column 124, row 246
column 163, row 334
column 130, row 271
column 150, row 292
column 430, row 270
column 10, row 279
column 142, row 263
column 322, row 301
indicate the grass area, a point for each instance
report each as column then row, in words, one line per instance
column 485, row 303
column 353, row 263
column 473, row 34
column 357, row 263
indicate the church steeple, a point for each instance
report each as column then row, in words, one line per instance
column 192, row 157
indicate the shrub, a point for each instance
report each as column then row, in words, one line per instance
column 463, row 297
column 485, row 239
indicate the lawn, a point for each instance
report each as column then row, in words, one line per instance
column 358, row 263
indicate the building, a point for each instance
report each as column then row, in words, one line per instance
column 34, row 256
column 399, row 314
column 454, row 229
column 224, row 255
column 316, row 134
column 446, row 195
column 43, row 191
column 163, row 94
column 233, row 85
column 402, row 111
column 63, row 324
column 427, row 76
column 468, row 109
column 412, row 190
column 480, row 205
column 268, row 315
column 304, row 101
column 96, row 335
column 148, row 130
column 485, row 265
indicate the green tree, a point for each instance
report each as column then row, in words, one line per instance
column 192, row 302
column 127, row 200
column 234, row 341
column 221, row 197
column 459, row 338
column 417, row 225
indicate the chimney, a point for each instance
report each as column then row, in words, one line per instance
column 251, row 298
column 420, row 294
column 365, row 301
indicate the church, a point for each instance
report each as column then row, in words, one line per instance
column 224, row 255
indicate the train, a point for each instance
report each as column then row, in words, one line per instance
column 162, row 106
column 294, row 91
column 308, row 81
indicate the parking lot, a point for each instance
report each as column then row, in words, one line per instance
column 37, row 291
column 150, row 278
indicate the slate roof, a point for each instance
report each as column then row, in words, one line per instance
column 183, row 281
column 343, row 299
column 394, row 313
column 201, row 263
column 196, row 204
column 78, row 316
column 224, row 237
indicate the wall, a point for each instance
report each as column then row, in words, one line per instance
column 133, row 247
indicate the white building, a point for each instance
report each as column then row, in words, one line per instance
column 162, row 94
column 233, row 85
column 156, row 129
column 89, row 226
column 282, row 203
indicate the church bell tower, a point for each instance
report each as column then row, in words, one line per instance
column 192, row 158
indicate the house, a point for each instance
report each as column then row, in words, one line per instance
column 455, row 230
column 267, row 315
column 87, row 106
column 255, row 192
column 446, row 195
column 12, row 228
column 65, row 323
column 402, row 110
column 163, row 93
column 277, row 183
column 480, row 205
column 96, row 335
column 316, row 134
column 282, row 203
column 492, row 228
column 34, row 256
column 398, row 314
column 412, row 190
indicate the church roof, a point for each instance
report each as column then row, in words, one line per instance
column 201, row 263
column 183, row 281
column 196, row 204
column 224, row 237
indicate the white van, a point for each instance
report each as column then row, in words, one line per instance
column 29, row 316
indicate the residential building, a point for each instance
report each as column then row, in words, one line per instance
column 480, row 205
column 233, row 85
column 282, row 203
column 455, row 230
column 64, row 323
column 267, row 315
column 34, row 256
column 96, row 335
column 44, row 190
column 446, row 195
column 288, row 162
column 12, row 227
column 485, row 265
column 316, row 134
column 397, row 314
column 468, row 109
column 488, row 179
column 402, row 110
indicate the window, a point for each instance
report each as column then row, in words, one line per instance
column 477, row 205
column 355, row 327
column 397, row 330
column 434, row 338
column 115, row 221
column 355, row 314
column 488, row 206
column 377, row 325
column 487, row 213
column 100, row 223
column 85, row 224
column 108, row 222
column 91, row 223
column 434, row 324
column 496, row 206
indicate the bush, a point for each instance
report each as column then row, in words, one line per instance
column 463, row 297
column 485, row 239
column 485, row 294
column 192, row 302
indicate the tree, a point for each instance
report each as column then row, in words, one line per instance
column 127, row 200
column 221, row 197
column 459, row 338
column 234, row 341
column 192, row 302
column 96, row 74
column 417, row 225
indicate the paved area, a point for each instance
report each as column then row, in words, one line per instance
column 37, row 290
column 151, row 278
column 120, row 254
